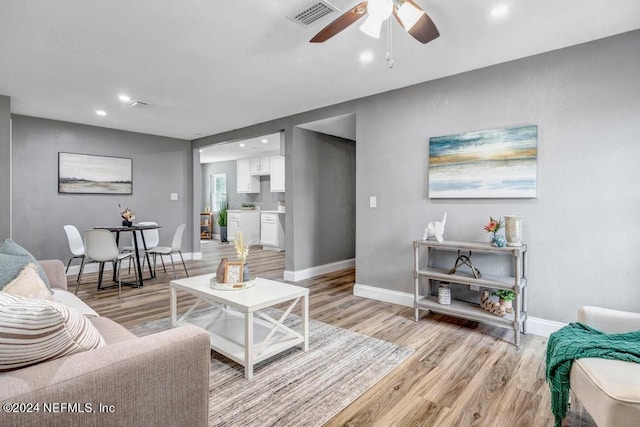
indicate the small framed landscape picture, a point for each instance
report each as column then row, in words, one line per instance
column 233, row 272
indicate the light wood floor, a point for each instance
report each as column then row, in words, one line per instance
column 461, row 374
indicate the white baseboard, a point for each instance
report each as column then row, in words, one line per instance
column 535, row 326
column 307, row 273
column 93, row 266
column 543, row 327
column 385, row 295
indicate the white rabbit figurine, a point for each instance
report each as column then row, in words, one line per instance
column 435, row 229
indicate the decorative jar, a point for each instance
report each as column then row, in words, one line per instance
column 444, row 294
column 513, row 230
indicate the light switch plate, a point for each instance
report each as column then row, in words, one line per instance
column 174, row 196
column 373, row 202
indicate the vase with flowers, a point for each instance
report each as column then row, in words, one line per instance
column 242, row 250
column 493, row 227
column 127, row 216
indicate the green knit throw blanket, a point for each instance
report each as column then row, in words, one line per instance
column 575, row 341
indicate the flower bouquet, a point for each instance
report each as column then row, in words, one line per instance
column 493, row 227
column 127, row 216
column 242, row 250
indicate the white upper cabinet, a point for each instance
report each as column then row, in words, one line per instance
column 260, row 166
column 277, row 174
column 246, row 183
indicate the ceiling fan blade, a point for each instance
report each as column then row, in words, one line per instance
column 346, row 19
column 424, row 30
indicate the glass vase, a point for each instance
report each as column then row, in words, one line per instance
column 246, row 276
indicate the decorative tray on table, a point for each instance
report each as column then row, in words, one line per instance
column 231, row 286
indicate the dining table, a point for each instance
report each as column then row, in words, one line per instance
column 117, row 229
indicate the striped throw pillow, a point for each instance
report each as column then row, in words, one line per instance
column 37, row 330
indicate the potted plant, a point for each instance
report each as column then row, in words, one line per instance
column 506, row 298
column 222, row 220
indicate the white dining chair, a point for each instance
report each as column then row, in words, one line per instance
column 100, row 246
column 76, row 246
column 175, row 248
column 151, row 240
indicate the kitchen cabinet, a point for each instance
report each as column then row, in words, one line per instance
column 272, row 230
column 246, row 220
column 260, row 166
column 246, row 183
column 277, row 174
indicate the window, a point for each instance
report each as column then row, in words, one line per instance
column 218, row 190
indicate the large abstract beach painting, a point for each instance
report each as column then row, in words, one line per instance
column 500, row 163
column 89, row 174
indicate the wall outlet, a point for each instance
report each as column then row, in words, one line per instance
column 174, row 196
column 474, row 287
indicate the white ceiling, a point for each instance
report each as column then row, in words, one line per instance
column 343, row 126
column 232, row 150
column 206, row 67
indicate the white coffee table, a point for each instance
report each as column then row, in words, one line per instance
column 233, row 324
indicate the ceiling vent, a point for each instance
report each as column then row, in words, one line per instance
column 312, row 12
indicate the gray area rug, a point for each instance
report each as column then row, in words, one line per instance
column 296, row 388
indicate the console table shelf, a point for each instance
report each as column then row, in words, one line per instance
column 516, row 283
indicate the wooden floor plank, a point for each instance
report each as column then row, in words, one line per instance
column 461, row 374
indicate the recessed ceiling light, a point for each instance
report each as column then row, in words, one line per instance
column 202, row 151
column 500, row 11
column 101, row 112
column 366, row 57
column 124, row 98
column 242, row 145
column 264, row 141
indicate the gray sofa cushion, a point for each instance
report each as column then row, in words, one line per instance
column 111, row 331
column 13, row 258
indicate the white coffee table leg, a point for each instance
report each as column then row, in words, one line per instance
column 248, row 345
column 305, row 322
column 174, row 307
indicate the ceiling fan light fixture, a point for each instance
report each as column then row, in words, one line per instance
column 409, row 15
column 371, row 27
column 378, row 11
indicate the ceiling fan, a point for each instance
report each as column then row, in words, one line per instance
column 409, row 15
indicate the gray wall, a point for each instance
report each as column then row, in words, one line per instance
column 324, row 199
column 581, row 229
column 5, row 166
column 208, row 169
column 160, row 166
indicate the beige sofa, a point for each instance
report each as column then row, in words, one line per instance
column 608, row 389
column 160, row 379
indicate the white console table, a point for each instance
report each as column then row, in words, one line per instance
column 517, row 283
